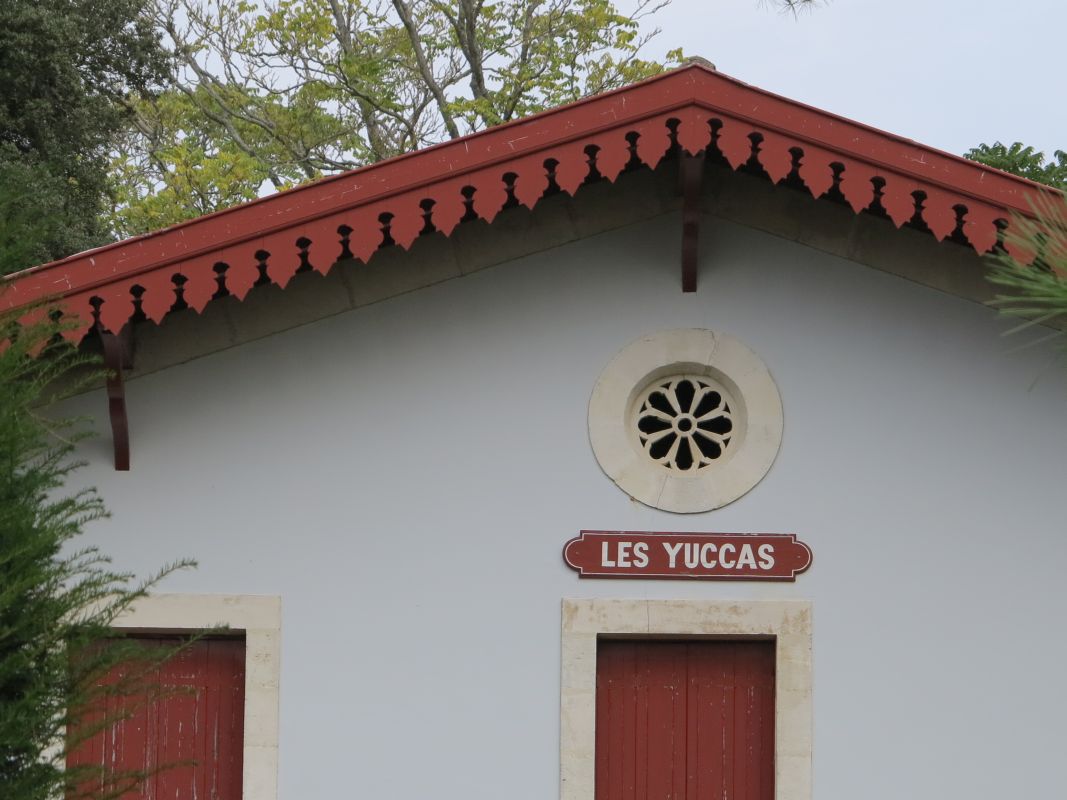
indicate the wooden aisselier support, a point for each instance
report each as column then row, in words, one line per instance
column 116, row 358
column 691, row 169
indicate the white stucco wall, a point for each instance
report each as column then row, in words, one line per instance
column 405, row 477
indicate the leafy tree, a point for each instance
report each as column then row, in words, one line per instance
column 1025, row 161
column 65, row 66
column 28, row 199
column 277, row 93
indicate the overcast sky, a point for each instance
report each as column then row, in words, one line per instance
column 947, row 73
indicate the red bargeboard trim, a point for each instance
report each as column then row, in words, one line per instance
column 705, row 106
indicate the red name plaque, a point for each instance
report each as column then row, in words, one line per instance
column 712, row 556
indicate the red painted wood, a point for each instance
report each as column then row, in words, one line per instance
column 899, row 204
column 857, row 185
column 709, row 556
column 186, row 727
column 693, row 97
column 694, row 133
column 685, row 720
column 692, row 175
column 116, row 399
column 775, row 156
column 734, row 143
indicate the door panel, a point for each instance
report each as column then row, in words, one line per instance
column 183, row 726
column 685, row 720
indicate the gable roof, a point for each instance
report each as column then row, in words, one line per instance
column 354, row 213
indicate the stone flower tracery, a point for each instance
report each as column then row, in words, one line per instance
column 684, row 422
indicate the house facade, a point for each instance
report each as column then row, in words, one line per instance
column 738, row 342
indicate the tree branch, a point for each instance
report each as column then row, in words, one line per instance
column 403, row 10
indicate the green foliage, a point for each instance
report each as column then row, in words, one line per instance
column 1036, row 293
column 29, row 220
column 275, row 94
column 206, row 169
column 66, row 66
column 57, row 602
column 1025, row 161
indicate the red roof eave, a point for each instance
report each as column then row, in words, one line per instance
column 704, row 104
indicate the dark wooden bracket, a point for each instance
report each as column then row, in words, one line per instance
column 118, row 356
column 691, row 170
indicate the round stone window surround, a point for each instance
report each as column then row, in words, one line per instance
column 755, row 404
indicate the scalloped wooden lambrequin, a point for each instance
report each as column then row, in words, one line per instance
column 356, row 212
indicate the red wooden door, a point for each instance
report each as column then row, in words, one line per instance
column 686, row 720
column 186, row 728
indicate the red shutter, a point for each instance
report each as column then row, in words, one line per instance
column 195, row 723
column 689, row 720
